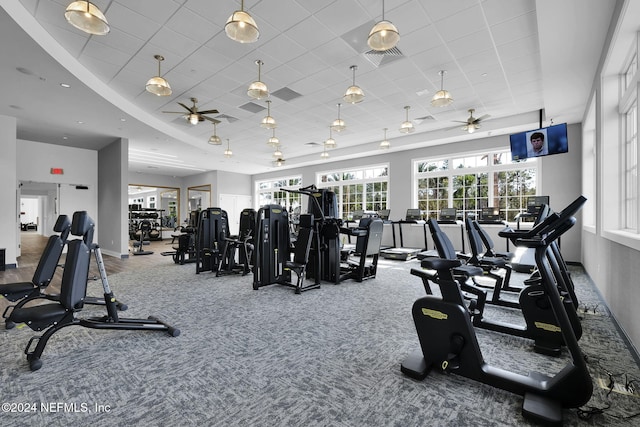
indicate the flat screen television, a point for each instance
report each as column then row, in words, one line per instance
column 539, row 142
column 448, row 214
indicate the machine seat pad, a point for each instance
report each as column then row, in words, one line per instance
column 45, row 313
column 468, row 271
column 495, row 262
column 16, row 288
column 440, row 263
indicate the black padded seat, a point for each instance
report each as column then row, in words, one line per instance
column 17, row 288
column 46, row 314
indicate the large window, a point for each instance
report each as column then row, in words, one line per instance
column 631, row 168
column 273, row 192
column 474, row 182
column 358, row 189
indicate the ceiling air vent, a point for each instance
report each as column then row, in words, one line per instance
column 380, row 58
column 286, row 94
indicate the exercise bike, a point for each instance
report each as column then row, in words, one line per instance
column 448, row 340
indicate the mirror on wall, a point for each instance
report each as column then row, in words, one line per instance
column 163, row 201
column 198, row 197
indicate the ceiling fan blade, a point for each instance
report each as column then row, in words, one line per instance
column 211, row 119
column 174, row 112
column 459, row 121
column 486, row 116
column 208, row 112
column 185, row 107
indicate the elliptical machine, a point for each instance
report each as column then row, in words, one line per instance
column 448, row 340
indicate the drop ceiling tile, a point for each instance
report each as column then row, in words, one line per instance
column 132, row 22
column 463, row 23
column 194, row 26
column 497, row 11
column 160, row 15
column 173, row 42
column 341, row 17
column 439, row 10
column 516, row 28
column 469, row 44
column 310, row 33
column 283, row 48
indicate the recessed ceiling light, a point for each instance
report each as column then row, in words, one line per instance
column 80, row 122
column 65, row 85
column 65, row 137
column 123, row 119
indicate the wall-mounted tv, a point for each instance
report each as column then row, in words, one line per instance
column 539, row 142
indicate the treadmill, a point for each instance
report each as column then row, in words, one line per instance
column 401, row 252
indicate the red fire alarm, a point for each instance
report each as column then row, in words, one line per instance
column 57, row 171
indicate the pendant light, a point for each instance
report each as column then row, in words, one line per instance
column 384, row 35
column 228, row 153
column 442, row 98
column 277, row 153
column 257, row 89
column 324, row 154
column 385, row 143
column 330, row 142
column 158, row 85
column 215, row 139
column 86, row 16
column 338, row 124
column 241, row 27
column 268, row 122
column 273, row 141
column 354, row 94
column 407, row 125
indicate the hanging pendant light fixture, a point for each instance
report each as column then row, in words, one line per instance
column 215, row 139
column 241, row 27
column 338, row 124
column 158, row 85
column 384, row 35
column 354, row 94
column 330, row 142
column 268, row 122
column 407, row 125
column 277, row 153
column 324, row 154
column 228, row 153
column 257, row 89
column 385, row 143
column 273, row 141
column 86, row 16
column 442, row 98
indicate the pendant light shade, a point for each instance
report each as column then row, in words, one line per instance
column 228, row 153
column 86, row 16
column 330, row 142
column 273, row 141
column 384, row 35
column 277, row 153
column 257, row 89
column 407, row 125
column 385, row 143
column 241, row 27
column 442, row 98
column 194, row 119
column 215, row 139
column 338, row 124
column 354, row 94
column 158, row 85
column 268, row 122
column 324, row 154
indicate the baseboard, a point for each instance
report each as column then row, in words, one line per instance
column 114, row 254
column 632, row 348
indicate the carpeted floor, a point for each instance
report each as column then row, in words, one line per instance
column 328, row 357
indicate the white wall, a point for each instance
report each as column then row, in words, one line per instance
column 9, row 225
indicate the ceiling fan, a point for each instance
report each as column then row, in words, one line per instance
column 472, row 123
column 192, row 114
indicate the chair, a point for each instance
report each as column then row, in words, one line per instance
column 53, row 316
column 26, row 291
column 242, row 244
column 302, row 248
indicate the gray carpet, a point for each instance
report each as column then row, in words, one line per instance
column 328, row 357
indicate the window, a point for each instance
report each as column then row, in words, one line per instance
column 474, row 182
column 357, row 189
column 273, row 192
column 631, row 168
